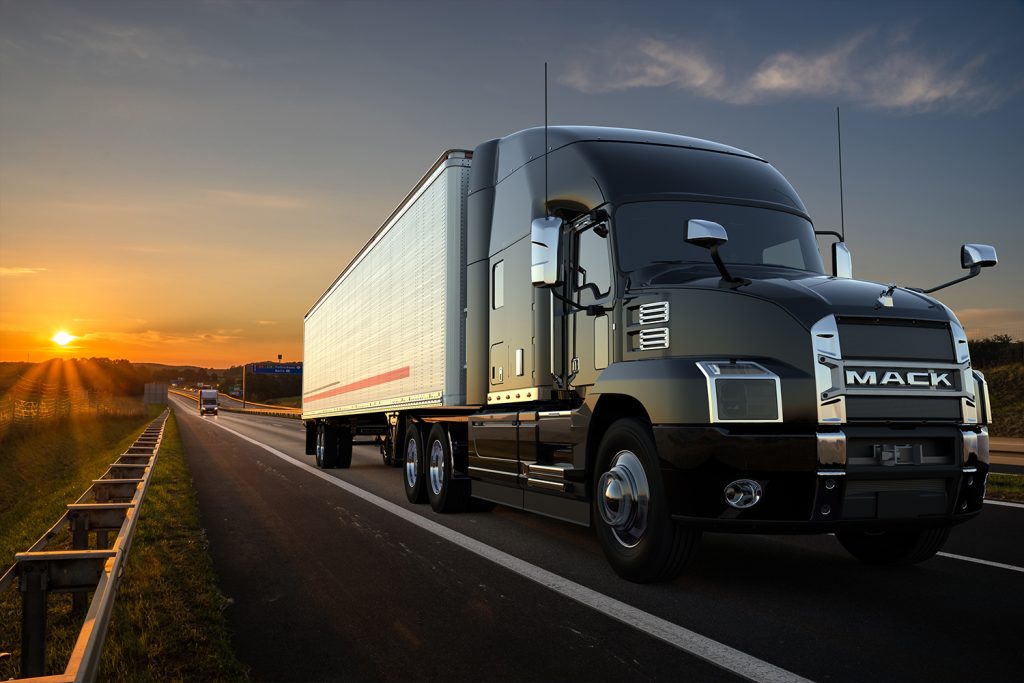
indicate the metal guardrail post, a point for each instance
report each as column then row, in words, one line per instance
column 79, row 541
column 32, row 583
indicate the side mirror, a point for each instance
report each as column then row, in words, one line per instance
column 545, row 250
column 705, row 234
column 842, row 260
column 973, row 257
column 977, row 256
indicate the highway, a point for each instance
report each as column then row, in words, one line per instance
column 333, row 575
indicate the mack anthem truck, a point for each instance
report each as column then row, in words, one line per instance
column 635, row 331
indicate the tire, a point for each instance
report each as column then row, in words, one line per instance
column 631, row 511
column 445, row 492
column 344, row 459
column 326, row 447
column 412, row 472
column 894, row 547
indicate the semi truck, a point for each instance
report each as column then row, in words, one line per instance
column 636, row 331
column 209, row 401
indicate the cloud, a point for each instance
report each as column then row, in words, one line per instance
column 155, row 338
column 266, row 322
column 649, row 64
column 16, row 271
column 875, row 70
column 124, row 43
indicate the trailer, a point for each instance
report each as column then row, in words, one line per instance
column 635, row 331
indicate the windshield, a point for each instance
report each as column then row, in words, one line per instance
column 655, row 232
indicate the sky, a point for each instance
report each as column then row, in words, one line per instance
column 180, row 181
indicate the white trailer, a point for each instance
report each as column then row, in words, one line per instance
column 389, row 333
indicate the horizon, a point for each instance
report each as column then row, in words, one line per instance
column 180, row 182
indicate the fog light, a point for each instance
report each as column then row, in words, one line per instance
column 743, row 493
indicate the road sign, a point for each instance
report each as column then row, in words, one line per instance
column 277, row 368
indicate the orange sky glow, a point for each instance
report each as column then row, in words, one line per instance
column 180, row 182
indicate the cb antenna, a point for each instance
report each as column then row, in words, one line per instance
column 545, row 137
column 839, row 137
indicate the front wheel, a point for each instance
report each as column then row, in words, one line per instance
column 415, row 486
column 631, row 513
column 894, row 547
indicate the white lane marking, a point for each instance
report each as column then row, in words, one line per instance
column 1000, row 565
column 1004, row 503
column 719, row 654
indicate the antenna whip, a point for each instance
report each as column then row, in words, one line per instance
column 545, row 137
column 839, row 137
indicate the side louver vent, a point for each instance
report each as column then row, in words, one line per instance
column 656, row 312
column 654, row 339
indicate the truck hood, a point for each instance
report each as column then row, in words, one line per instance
column 809, row 297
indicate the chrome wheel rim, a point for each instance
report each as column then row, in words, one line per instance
column 624, row 499
column 319, row 446
column 436, row 467
column 412, row 458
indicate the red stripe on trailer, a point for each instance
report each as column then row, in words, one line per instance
column 383, row 378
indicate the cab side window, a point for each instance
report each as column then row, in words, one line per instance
column 593, row 263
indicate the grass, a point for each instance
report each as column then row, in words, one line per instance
column 168, row 623
column 46, row 466
column 168, row 620
column 1005, row 487
column 1006, row 388
column 287, row 401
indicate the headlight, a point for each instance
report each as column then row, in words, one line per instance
column 742, row 391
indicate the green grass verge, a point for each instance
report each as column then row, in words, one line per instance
column 168, row 620
column 168, row 623
column 1006, row 388
column 45, row 466
column 1005, row 487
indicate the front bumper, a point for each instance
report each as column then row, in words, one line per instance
column 865, row 477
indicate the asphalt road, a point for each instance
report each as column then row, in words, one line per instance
column 354, row 583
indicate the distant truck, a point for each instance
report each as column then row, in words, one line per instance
column 209, row 401
column 637, row 333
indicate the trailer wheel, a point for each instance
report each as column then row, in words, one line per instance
column 415, row 486
column 631, row 513
column 444, row 491
column 344, row 441
column 894, row 547
column 326, row 447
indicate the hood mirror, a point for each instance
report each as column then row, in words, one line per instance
column 705, row 234
column 545, row 251
column 711, row 235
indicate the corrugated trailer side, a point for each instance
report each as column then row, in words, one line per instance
column 389, row 334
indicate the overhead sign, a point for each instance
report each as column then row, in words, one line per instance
column 277, row 368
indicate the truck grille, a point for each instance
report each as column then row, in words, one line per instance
column 893, row 340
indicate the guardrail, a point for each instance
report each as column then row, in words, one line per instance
column 110, row 505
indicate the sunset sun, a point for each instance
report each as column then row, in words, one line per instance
column 62, row 338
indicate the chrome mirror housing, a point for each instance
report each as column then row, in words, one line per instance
column 545, row 250
column 977, row 256
column 705, row 234
column 842, row 260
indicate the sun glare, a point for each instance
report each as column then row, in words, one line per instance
column 62, row 338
